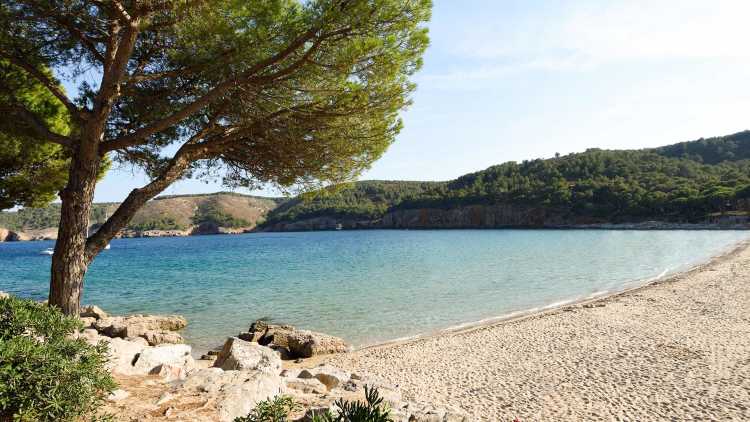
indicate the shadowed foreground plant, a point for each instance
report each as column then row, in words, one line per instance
column 372, row 410
column 272, row 410
column 44, row 374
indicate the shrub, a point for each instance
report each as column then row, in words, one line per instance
column 372, row 410
column 273, row 410
column 45, row 374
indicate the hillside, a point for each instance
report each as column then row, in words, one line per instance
column 702, row 181
column 689, row 182
column 181, row 214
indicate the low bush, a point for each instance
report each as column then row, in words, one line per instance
column 272, row 410
column 371, row 410
column 45, row 374
column 278, row 409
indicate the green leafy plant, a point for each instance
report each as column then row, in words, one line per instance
column 371, row 410
column 45, row 374
column 272, row 410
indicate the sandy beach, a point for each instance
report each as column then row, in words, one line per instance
column 677, row 349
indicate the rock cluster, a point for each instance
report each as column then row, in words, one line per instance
column 293, row 343
column 155, row 329
column 243, row 373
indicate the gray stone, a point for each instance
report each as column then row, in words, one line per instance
column 305, row 344
column 157, row 337
column 242, row 355
column 118, row 395
column 306, row 385
column 150, row 358
column 235, row 393
column 93, row 311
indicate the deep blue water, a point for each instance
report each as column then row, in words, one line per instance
column 365, row 286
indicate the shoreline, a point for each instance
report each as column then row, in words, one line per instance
column 40, row 235
column 538, row 311
column 674, row 348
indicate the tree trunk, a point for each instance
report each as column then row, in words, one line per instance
column 69, row 263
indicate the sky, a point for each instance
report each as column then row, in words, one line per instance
column 514, row 80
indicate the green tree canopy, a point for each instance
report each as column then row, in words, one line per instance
column 287, row 92
column 32, row 169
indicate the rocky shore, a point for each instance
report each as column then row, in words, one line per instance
column 160, row 380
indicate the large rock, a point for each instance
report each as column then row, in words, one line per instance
column 157, row 337
column 305, row 344
column 266, row 334
column 4, row 295
column 152, row 358
column 242, row 355
column 93, row 311
column 306, row 385
column 235, row 393
column 138, row 325
column 330, row 376
column 122, row 354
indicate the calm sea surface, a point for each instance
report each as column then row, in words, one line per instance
column 365, row 286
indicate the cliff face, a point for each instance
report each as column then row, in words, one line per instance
column 495, row 216
column 469, row 217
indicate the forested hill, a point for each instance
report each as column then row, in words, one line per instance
column 686, row 182
column 689, row 182
column 180, row 213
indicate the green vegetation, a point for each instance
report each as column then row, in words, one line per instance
column 371, row 410
column 362, row 200
column 174, row 212
column 209, row 212
column 32, row 170
column 288, row 93
column 271, row 410
column 278, row 409
column 44, row 374
column 681, row 182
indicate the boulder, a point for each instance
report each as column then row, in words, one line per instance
column 138, row 325
column 151, row 358
column 305, row 344
column 4, row 295
column 157, row 337
column 235, row 393
column 93, row 311
column 171, row 373
column 122, row 355
column 242, row 355
column 306, row 385
column 118, row 395
column 88, row 322
column 139, row 340
column 330, row 376
column 264, row 333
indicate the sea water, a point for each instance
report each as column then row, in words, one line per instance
column 364, row 286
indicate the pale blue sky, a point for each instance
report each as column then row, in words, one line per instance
column 513, row 80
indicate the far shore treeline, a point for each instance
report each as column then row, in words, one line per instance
column 684, row 182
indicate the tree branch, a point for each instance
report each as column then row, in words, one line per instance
column 140, row 136
column 48, row 83
column 38, row 125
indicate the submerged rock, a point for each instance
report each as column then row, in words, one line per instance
column 242, row 355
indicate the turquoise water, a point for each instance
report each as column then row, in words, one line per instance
column 365, row 286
